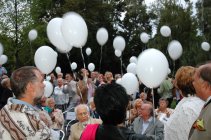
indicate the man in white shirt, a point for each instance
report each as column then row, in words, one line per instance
column 59, row 96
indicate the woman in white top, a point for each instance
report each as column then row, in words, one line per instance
column 186, row 112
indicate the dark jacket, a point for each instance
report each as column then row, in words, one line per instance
column 110, row 132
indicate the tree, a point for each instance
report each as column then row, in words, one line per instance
column 184, row 29
column 14, row 17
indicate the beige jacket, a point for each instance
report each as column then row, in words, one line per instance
column 77, row 129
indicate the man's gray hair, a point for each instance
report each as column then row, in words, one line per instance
column 81, row 105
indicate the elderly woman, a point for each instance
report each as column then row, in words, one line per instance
column 55, row 114
column 163, row 112
column 186, row 112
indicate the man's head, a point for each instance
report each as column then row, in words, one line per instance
column 59, row 75
column 82, row 113
column 27, row 84
column 94, row 75
column 202, row 81
column 60, row 82
column 146, row 110
column 111, row 102
column 68, row 77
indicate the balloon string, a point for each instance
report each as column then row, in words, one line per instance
column 30, row 43
column 121, row 65
column 153, row 108
column 69, row 61
column 68, row 58
column 101, row 53
column 82, row 57
column 173, row 68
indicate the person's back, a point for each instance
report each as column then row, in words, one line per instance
column 110, row 132
column 111, row 103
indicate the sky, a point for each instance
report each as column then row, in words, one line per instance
column 182, row 1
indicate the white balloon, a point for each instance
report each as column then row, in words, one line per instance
column 73, row 66
column 88, row 51
column 45, row 59
column 165, row 31
column 118, row 53
column 74, row 29
column 58, row 70
column 205, row 46
column 175, row 49
column 144, row 37
column 119, row 43
column 55, row 35
column 102, row 36
column 32, row 34
column 118, row 81
column 131, row 68
column 1, row 49
column 91, row 67
column 48, row 78
column 152, row 67
column 130, row 83
column 48, row 90
column 3, row 59
column 133, row 59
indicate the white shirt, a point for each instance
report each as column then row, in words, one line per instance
column 59, row 96
column 180, row 122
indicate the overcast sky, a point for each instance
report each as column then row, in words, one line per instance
column 182, row 1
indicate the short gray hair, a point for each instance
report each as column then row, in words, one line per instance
column 81, row 105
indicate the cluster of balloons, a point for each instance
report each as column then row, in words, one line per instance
column 132, row 66
column 67, row 32
column 3, row 58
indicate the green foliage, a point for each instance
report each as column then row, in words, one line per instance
column 127, row 18
column 184, row 29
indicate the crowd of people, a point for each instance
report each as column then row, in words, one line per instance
column 103, row 110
